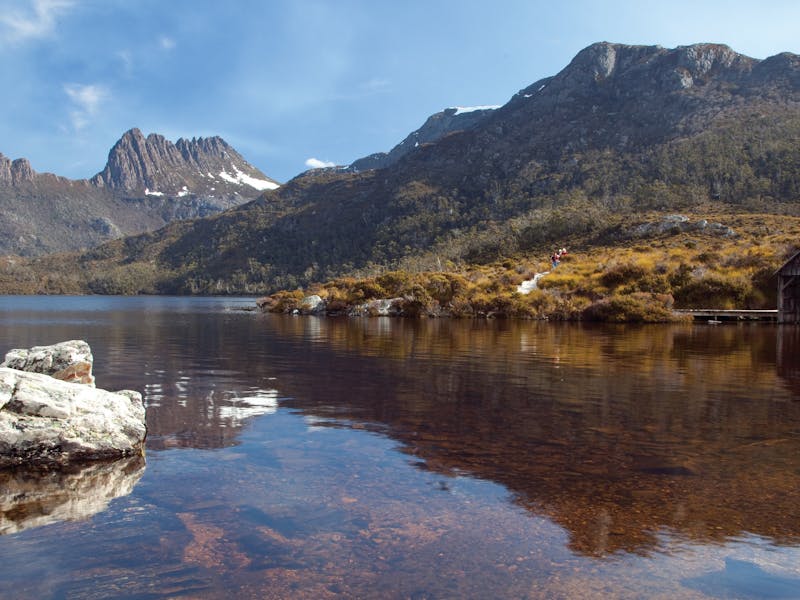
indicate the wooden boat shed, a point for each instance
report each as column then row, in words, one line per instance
column 789, row 291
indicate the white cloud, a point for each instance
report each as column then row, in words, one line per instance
column 166, row 43
column 375, row 85
column 315, row 163
column 86, row 100
column 36, row 20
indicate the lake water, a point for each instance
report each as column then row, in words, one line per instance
column 303, row 457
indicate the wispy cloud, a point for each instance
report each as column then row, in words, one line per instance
column 375, row 85
column 166, row 43
column 86, row 100
column 126, row 58
column 315, row 163
column 34, row 19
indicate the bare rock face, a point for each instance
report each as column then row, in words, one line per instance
column 69, row 361
column 48, row 421
column 16, row 171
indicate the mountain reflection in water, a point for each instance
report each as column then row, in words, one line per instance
column 614, row 433
column 307, row 457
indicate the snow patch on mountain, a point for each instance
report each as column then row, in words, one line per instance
column 240, row 178
column 460, row 110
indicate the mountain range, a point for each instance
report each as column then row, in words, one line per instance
column 146, row 183
column 620, row 130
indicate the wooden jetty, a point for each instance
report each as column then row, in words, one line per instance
column 718, row 315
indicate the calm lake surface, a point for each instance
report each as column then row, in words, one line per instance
column 304, row 457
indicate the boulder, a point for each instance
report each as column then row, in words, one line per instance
column 312, row 305
column 46, row 421
column 382, row 307
column 68, row 361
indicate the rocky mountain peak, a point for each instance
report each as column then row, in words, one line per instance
column 677, row 68
column 435, row 127
column 205, row 153
column 135, row 162
column 15, row 172
column 699, row 59
column 147, row 182
column 598, row 60
column 155, row 165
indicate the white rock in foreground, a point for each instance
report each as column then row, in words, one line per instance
column 69, row 361
column 47, row 421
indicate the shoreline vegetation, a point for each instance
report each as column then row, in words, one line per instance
column 677, row 264
column 633, row 267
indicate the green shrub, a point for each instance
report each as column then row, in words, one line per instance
column 364, row 290
column 624, row 273
column 713, row 291
column 396, row 283
column 283, row 301
column 631, row 308
column 444, row 287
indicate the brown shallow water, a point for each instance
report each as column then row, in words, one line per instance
column 297, row 457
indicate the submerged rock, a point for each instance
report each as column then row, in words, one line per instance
column 68, row 361
column 49, row 421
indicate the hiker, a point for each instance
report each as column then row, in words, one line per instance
column 555, row 259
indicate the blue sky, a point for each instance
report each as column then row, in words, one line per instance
column 287, row 81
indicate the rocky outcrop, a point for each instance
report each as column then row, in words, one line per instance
column 48, row 421
column 31, row 499
column 382, row 307
column 68, row 361
column 15, row 172
column 674, row 224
